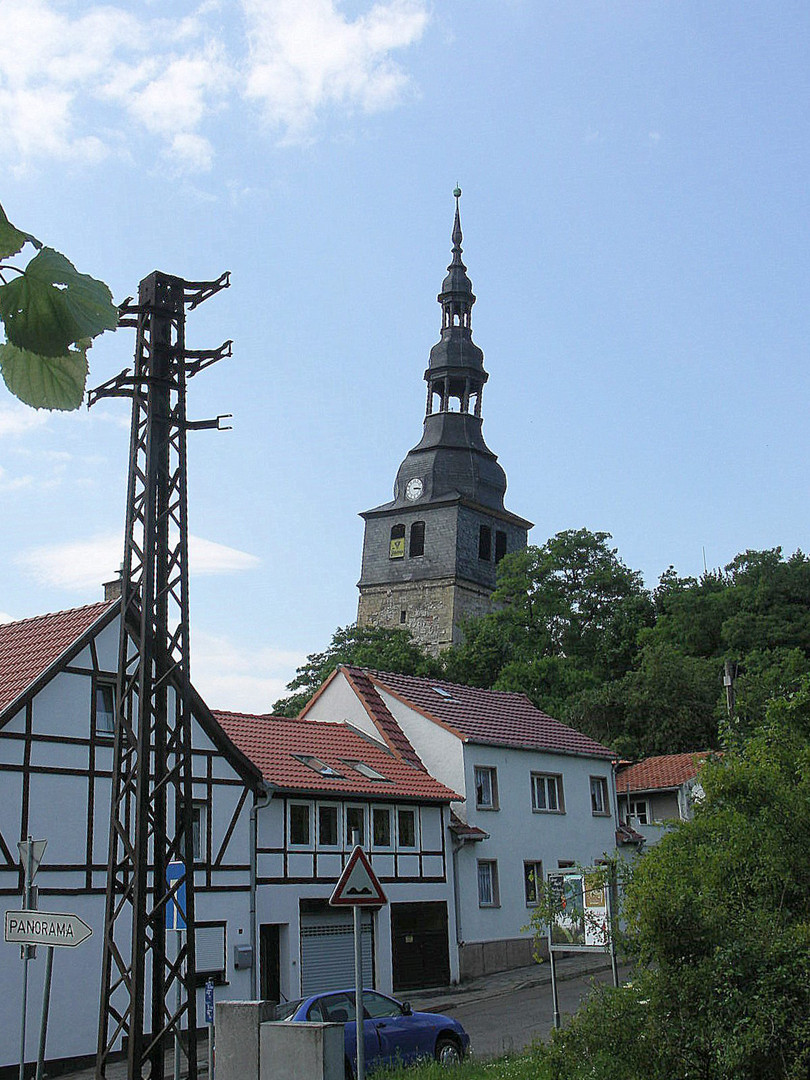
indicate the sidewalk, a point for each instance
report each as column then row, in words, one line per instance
column 444, row 999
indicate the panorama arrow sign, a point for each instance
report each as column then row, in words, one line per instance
column 45, row 928
column 358, row 885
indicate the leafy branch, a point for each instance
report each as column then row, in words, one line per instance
column 50, row 313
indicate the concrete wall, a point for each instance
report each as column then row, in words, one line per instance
column 251, row 1047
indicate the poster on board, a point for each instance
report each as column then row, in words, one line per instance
column 583, row 915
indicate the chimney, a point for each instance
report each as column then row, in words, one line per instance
column 112, row 589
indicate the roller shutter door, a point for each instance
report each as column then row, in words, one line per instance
column 327, row 951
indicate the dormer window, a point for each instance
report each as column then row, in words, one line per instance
column 368, row 771
column 318, row 766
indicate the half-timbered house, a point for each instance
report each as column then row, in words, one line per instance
column 275, row 805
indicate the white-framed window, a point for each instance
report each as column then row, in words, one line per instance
column 381, row 835
column 532, row 880
column 640, row 811
column 488, row 895
column 406, row 828
column 300, row 824
column 547, row 793
column 355, row 820
column 486, row 787
column 328, row 825
column 105, row 708
column 600, row 801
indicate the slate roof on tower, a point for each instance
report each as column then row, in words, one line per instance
column 278, row 746
column 490, row 717
column 31, row 648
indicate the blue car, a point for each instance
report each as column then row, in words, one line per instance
column 393, row 1033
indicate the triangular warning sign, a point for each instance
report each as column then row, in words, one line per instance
column 358, row 885
column 34, row 849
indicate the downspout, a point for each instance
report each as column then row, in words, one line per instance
column 264, row 793
column 457, row 846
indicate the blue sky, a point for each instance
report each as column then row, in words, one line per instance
column 635, row 216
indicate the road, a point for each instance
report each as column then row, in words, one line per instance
column 511, row 1021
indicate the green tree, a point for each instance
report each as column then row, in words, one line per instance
column 569, row 616
column 50, row 313
column 718, row 917
column 361, row 646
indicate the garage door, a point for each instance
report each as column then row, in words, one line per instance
column 327, row 951
column 420, row 945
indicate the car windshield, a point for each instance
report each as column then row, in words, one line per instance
column 286, row 1009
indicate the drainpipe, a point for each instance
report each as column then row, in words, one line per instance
column 264, row 793
column 457, row 846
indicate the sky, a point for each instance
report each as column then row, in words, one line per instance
column 635, row 216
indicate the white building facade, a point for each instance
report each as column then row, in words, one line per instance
column 537, row 795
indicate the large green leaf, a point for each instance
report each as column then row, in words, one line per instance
column 12, row 239
column 46, row 382
column 51, row 306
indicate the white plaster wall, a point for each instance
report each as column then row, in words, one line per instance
column 441, row 752
column 517, row 833
column 338, row 702
column 279, row 902
column 107, row 647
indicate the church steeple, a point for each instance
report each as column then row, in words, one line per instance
column 455, row 374
column 430, row 555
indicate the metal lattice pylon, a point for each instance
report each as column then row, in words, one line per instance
column 151, row 803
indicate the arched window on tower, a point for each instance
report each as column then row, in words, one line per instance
column 396, row 547
column 417, row 544
column 500, row 545
column 485, row 543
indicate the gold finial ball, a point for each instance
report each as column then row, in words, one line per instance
column 457, row 191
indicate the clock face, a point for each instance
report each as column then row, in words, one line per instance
column 414, row 489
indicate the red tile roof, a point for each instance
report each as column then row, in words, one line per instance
column 271, row 741
column 29, row 648
column 492, row 717
column 660, row 773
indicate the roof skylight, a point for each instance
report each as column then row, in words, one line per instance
column 368, row 771
column 444, row 693
column 318, row 766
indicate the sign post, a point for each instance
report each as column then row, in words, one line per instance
column 31, row 852
column 209, row 1019
column 583, row 922
column 357, row 888
column 176, row 920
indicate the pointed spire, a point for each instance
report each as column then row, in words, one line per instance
column 456, row 281
column 457, row 235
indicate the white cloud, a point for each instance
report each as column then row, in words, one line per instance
column 240, row 677
column 305, row 55
column 82, row 564
column 18, row 420
column 77, row 80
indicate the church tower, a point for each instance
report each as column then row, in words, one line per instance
column 429, row 556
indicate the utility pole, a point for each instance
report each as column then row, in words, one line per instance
column 151, row 804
